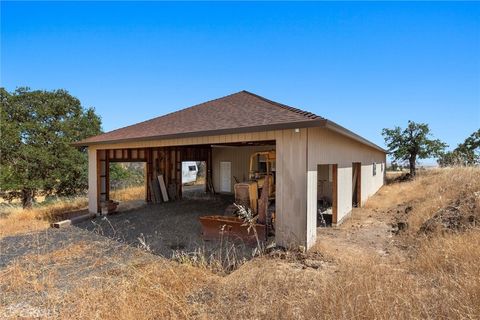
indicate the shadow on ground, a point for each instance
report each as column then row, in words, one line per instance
column 165, row 228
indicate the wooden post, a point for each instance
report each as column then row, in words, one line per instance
column 167, row 166
column 178, row 166
column 103, row 184
column 148, row 155
column 334, row 193
column 209, row 175
column 99, row 180
column 107, row 176
column 357, row 181
column 163, row 162
column 174, row 169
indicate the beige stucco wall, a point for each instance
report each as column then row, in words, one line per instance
column 370, row 183
column 92, row 180
column 239, row 158
column 291, row 193
column 328, row 147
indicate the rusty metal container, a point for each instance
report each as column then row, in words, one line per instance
column 216, row 227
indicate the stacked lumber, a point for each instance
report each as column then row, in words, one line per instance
column 158, row 190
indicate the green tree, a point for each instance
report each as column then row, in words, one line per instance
column 37, row 130
column 118, row 173
column 465, row 154
column 412, row 143
column 126, row 174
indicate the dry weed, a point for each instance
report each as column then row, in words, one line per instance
column 430, row 191
column 15, row 220
column 128, row 194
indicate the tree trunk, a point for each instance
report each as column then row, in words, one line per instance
column 412, row 161
column 27, row 198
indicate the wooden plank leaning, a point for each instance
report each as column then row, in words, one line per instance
column 163, row 188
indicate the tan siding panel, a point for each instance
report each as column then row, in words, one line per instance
column 255, row 136
column 291, row 198
column 328, row 147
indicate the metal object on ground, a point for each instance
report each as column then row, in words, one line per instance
column 217, row 227
column 246, row 194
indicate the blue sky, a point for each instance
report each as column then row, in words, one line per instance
column 365, row 66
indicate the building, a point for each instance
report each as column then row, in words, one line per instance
column 318, row 163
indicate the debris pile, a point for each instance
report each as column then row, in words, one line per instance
column 461, row 215
column 401, row 214
column 401, row 178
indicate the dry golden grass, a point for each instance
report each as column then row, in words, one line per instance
column 137, row 288
column 440, row 282
column 128, row 194
column 430, row 191
column 25, row 275
column 200, row 180
column 436, row 278
column 16, row 220
column 156, row 290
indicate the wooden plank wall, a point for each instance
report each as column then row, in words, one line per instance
column 168, row 161
column 149, row 175
column 161, row 160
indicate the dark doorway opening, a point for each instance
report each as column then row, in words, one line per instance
column 356, row 184
column 326, row 194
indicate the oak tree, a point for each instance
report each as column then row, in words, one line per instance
column 412, row 143
column 37, row 131
column 466, row 153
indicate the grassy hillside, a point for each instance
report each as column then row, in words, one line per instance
column 411, row 252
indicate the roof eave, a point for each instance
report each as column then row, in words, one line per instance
column 279, row 126
column 352, row 135
column 323, row 123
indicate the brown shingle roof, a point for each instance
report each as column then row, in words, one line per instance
column 242, row 111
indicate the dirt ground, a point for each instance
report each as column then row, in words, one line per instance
column 164, row 228
column 365, row 231
column 189, row 191
column 55, row 260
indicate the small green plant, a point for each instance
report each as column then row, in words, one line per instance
column 196, row 258
column 249, row 221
